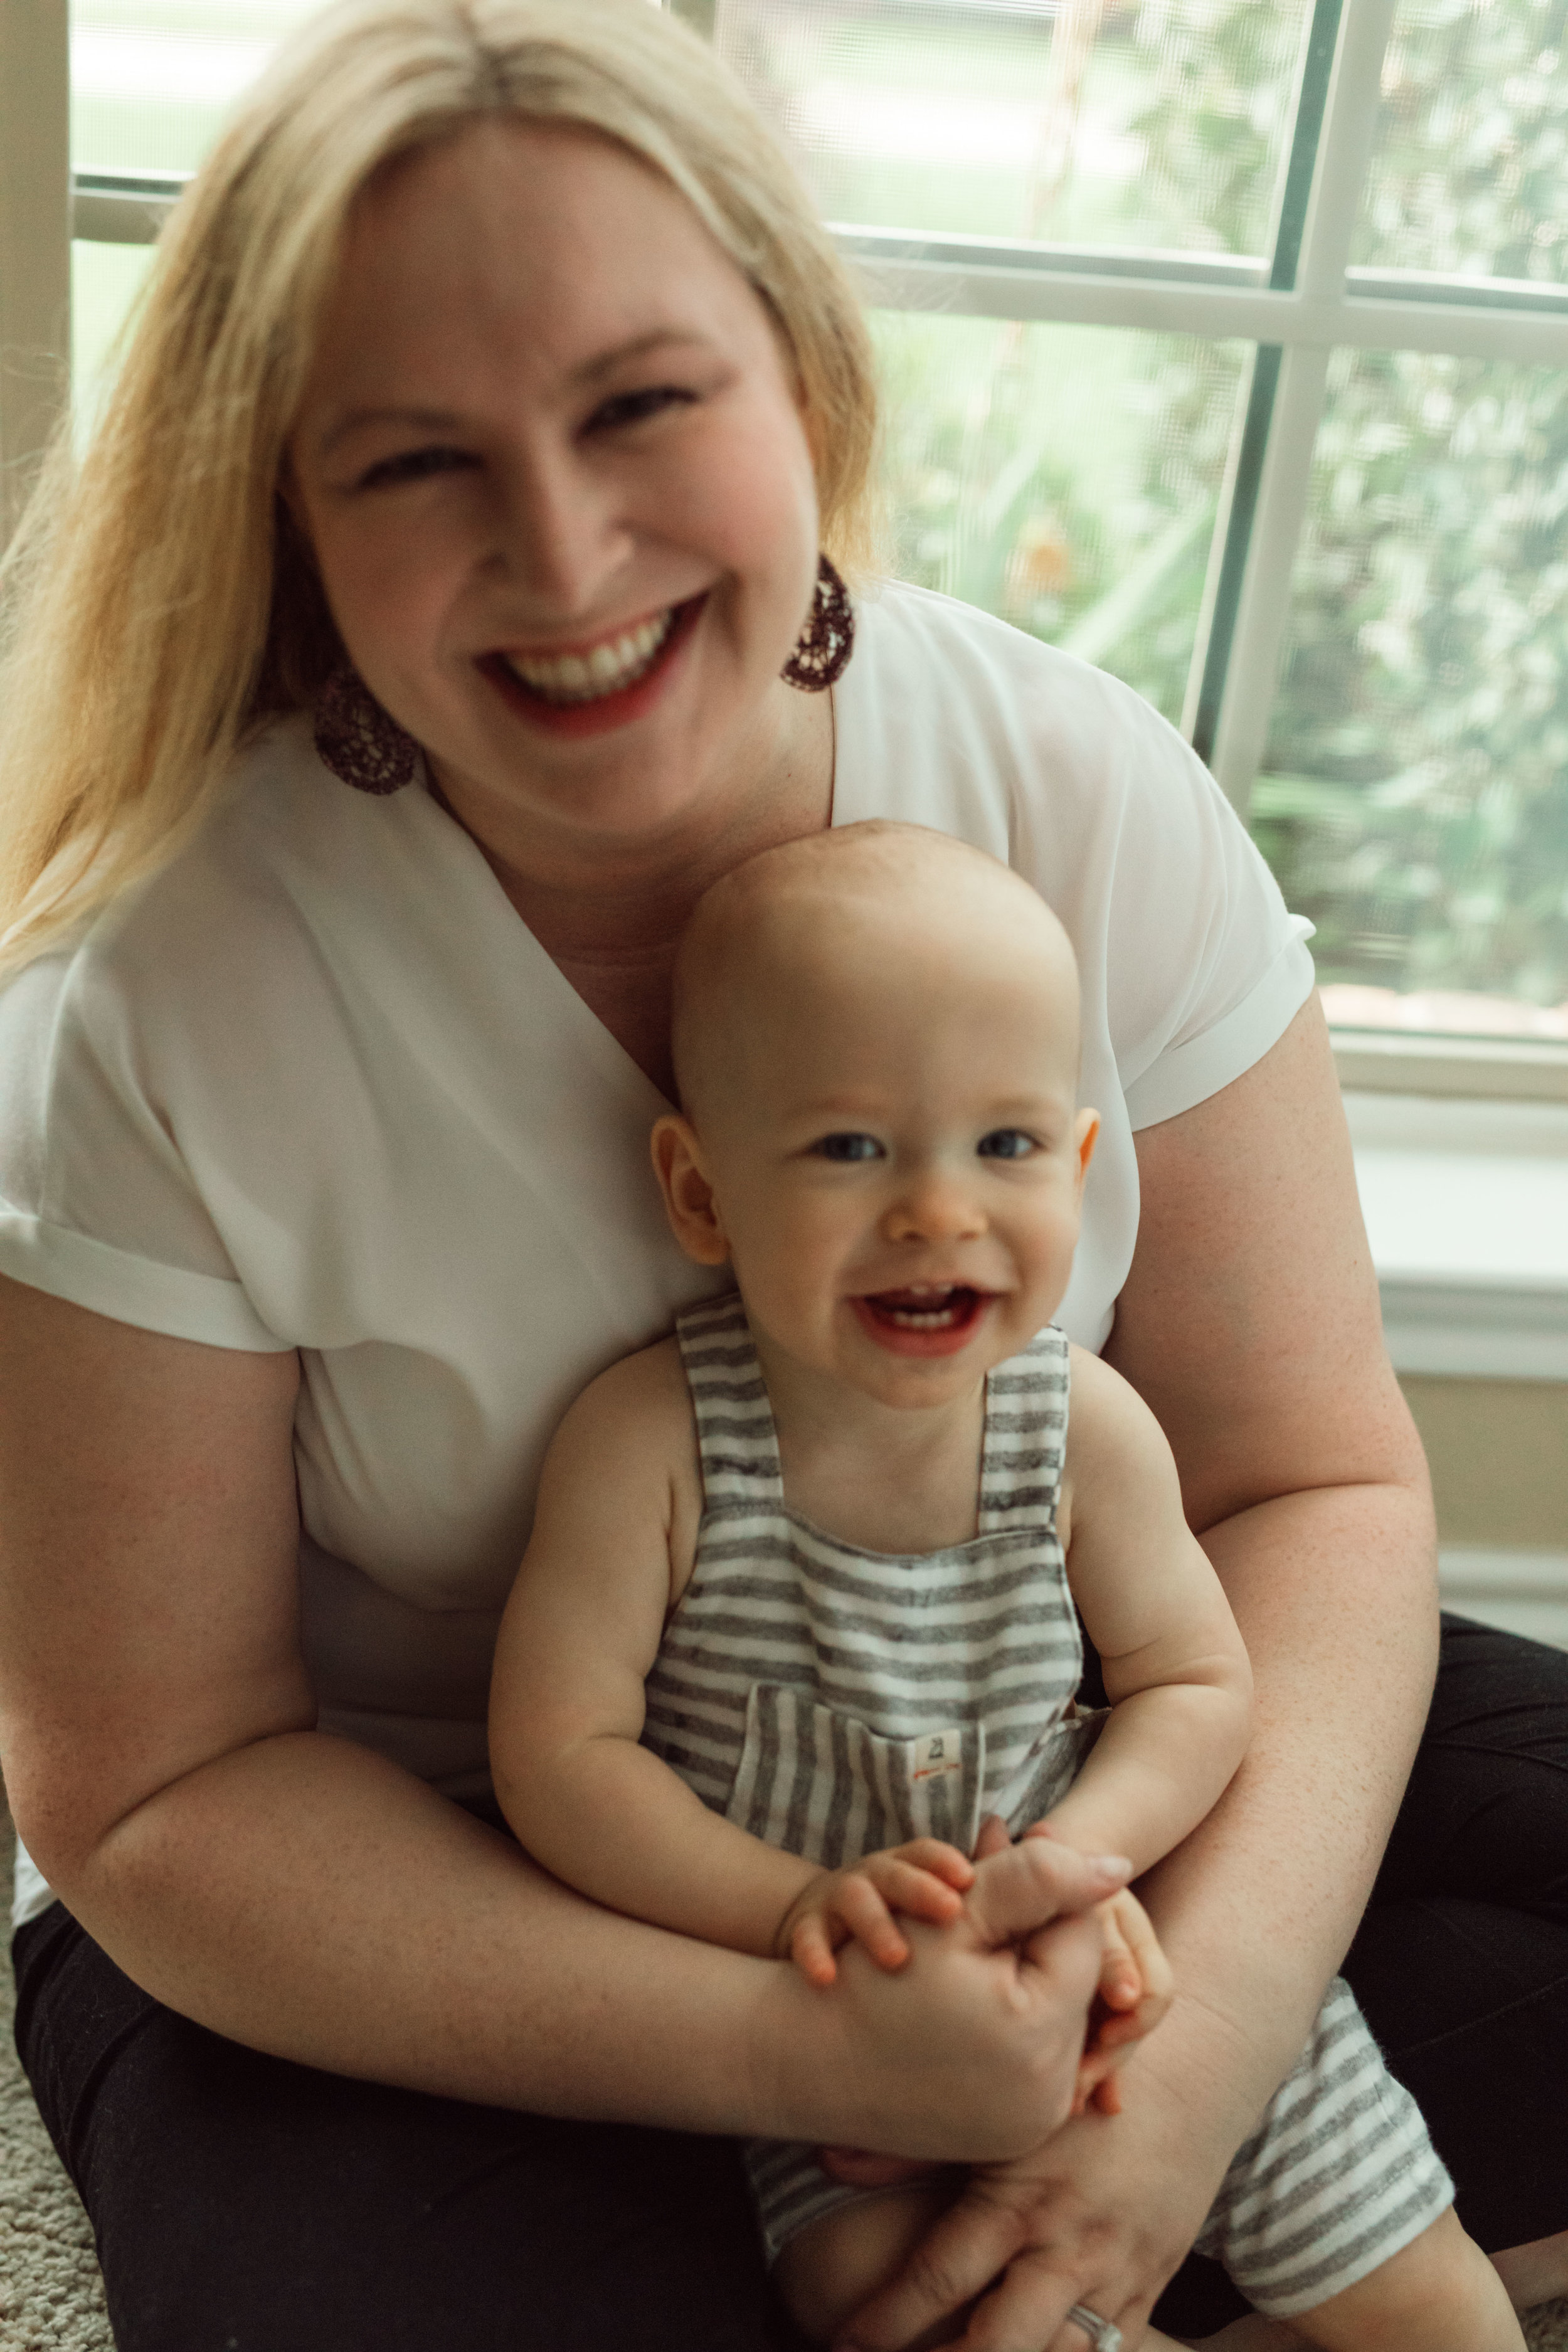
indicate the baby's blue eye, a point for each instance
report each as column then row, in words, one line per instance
column 848, row 1147
column 1005, row 1143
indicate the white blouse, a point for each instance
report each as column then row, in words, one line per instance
column 315, row 1085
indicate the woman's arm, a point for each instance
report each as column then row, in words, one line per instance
column 299, row 1894
column 1250, row 1324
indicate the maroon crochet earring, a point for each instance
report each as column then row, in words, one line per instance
column 360, row 742
column 823, row 649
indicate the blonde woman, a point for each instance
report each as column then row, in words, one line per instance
column 438, row 610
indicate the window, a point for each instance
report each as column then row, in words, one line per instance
column 1297, row 468
column 1226, row 344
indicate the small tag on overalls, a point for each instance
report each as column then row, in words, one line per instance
column 938, row 1752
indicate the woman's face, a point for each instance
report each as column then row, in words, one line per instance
column 554, row 473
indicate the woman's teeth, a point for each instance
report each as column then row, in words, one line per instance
column 608, row 668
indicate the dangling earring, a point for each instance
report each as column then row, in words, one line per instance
column 823, row 649
column 361, row 742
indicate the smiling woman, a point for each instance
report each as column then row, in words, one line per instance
column 494, row 405
column 672, row 387
column 562, row 499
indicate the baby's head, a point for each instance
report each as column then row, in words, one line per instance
column 876, row 1036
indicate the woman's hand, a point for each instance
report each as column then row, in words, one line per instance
column 971, row 2054
column 1133, row 1991
column 1101, row 2214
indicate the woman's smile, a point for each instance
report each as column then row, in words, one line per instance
column 585, row 673
column 587, row 690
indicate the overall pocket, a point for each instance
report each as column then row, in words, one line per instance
column 826, row 1786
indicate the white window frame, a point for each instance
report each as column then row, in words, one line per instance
column 1294, row 306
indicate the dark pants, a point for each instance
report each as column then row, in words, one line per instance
column 243, row 2204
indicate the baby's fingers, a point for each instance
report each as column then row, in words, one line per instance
column 811, row 1949
column 943, row 1861
column 1121, row 1981
column 860, row 1907
column 914, row 1892
column 1157, row 1982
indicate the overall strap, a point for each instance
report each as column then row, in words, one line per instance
column 735, row 1432
column 1025, row 1435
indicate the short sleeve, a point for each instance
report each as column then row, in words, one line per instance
column 1174, row 912
column 1206, row 966
column 96, row 1203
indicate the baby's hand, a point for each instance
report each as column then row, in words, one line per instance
column 1136, row 1989
column 924, row 1879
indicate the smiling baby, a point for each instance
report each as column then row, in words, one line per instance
column 800, row 1610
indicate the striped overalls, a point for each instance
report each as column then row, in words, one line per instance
column 834, row 1700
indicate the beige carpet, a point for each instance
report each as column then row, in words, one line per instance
column 51, row 2298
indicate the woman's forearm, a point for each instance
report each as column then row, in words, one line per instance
column 308, row 1898
column 1259, row 1906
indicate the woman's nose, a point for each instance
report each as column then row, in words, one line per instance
column 559, row 538
column 934, row 1207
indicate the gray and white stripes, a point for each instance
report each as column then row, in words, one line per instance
column 834, row 1700
column 789, row 1647
column 1339, row 2175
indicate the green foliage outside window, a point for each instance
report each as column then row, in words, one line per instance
column 1414, row 797
column 1414, row 800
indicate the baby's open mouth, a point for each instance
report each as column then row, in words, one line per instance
column 926, row 1306
column 570, row 679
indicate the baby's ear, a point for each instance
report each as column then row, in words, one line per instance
column 688, row 1198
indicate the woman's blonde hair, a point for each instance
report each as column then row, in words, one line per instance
column 158, row 604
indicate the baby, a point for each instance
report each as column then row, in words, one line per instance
column 798, row 1609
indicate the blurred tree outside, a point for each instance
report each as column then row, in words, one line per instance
column 1415, row 798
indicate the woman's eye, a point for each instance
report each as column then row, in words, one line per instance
column 415, row 466
column 848, row 1147
column 1005, row 1143
column 635, row 407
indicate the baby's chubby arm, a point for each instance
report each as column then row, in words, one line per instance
column 1176, row 1670
column 613, row 1532
column 618, row 1504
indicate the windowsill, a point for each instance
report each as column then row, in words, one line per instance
column 1465, row 1204
column 1493, row 1070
